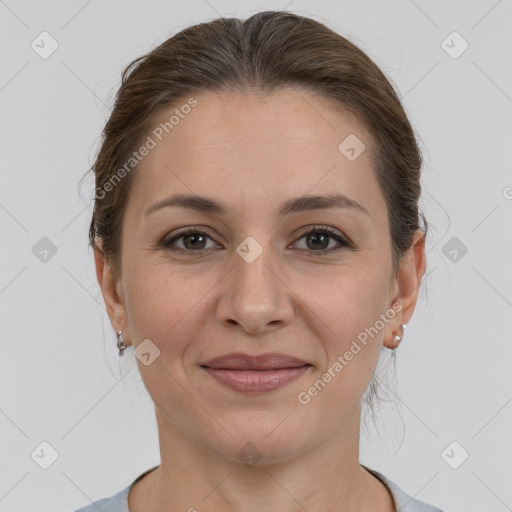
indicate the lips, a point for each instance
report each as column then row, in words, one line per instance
column 240, row 361
column 255, row 374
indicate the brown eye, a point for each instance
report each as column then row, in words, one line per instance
column 193, row 241
column 318, row 240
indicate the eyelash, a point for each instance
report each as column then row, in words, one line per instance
column 326, row 230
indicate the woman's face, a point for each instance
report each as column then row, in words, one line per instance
column 254, row 281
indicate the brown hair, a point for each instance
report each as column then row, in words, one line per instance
column 268, row 51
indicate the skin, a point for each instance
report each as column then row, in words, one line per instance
column 251, row 154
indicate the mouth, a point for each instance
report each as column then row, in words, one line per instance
column 240, row 361
column 255, row 374
column 248, row 381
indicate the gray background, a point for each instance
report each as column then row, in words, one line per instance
column 61, row 380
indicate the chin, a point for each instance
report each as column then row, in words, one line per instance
column 261, row 439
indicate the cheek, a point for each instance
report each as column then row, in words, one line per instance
column 167, row 310
column 164, row 305
column 352, row 347
column 349, row 309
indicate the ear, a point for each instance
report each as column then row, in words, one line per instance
column 112, row 291
column 406, row 284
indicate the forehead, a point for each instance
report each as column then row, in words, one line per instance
column 279, row 120
column 284, row 143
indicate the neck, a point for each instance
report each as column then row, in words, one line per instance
column 194, row 477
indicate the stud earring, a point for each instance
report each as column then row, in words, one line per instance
column 398, row 337
column 120, row 342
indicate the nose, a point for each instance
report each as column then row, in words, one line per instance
column 254, row 296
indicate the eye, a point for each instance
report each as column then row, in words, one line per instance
column 193, row 241
column 319, row 239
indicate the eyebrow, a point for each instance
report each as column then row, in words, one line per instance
column 299, row 204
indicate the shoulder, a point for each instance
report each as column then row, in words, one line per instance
column 404, row 502
column 116, row 503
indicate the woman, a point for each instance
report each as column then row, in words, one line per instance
column 257, row 242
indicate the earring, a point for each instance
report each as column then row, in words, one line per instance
column 120, row 342
column 398, row 337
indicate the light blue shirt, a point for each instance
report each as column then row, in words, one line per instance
column 403, row 502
